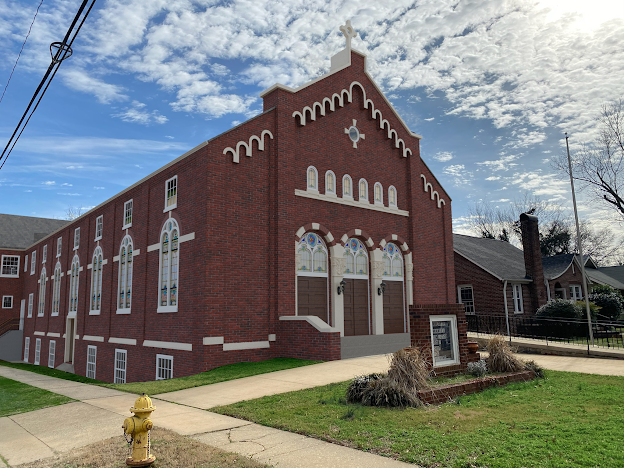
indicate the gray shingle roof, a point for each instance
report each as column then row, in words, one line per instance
column 500, row 258
column 556, row 265
column 19, row 232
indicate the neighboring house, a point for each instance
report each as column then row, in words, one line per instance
column 614, row 272
column 307, row 231
column 493, row 276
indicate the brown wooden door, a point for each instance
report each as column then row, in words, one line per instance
column 393, row 307
column 356, row 307
column 312, row 297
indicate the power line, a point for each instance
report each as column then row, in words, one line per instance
column 20, row 52
column 59, row 52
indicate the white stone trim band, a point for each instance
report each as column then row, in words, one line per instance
column 168, row 345
column 126, row 341
column 246, row 345
column 213, row 340
column 54, row 335
column 92, row 338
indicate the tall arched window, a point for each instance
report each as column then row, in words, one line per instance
column 393, row 261
column 312, row 178
column 96, row 282
column 330, row 183
column 347, row 186
column 169, row 257
column 73, row 285
column 312, row 277
column 392, row 197
column 394, row 294
column 124, row 286
column 363, row 192
column 56, row 289
column 42, row 291
column 378, row 193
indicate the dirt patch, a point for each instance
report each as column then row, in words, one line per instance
column 171, row 450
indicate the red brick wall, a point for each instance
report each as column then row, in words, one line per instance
column 566, row 279
column 299, row 339
column 533, row 260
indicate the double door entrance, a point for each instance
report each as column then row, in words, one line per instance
column 356, row 315
column 393, row 309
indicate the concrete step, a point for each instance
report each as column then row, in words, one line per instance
column 66, row 367
column 372, row 345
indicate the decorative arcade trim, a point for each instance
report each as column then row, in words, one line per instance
column 427, row 187
column 248, row 146
column 375, row 113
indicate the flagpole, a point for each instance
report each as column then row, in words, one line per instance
column 578, row 243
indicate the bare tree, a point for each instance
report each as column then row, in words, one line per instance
column 599, row 165
column 73, row 212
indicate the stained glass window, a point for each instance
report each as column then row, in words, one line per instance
column 42, row 291
column 56, row 289
column 357, row 257
column 125, row 274
column 392, row 196
column 312, row 182
column 73, row 285
column 169, row 265
column 346, row 186
column 393, row 261
column 96, row 280
column 363, row 190
column 313, row 254
column 378, row 193
column 330, row 182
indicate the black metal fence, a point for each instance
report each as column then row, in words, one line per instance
column 606, row 334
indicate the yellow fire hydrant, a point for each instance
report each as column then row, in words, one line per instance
column 138, row 427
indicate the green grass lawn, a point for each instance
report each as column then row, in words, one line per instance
column 16, row 397
column 220, row 374
column 565, row 420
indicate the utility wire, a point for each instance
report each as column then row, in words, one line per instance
column 63, row 51
column 20, row 52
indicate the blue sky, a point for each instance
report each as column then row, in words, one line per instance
column 490, row 84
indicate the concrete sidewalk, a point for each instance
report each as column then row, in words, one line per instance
column 99, row 414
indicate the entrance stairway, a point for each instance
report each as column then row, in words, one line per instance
column 370, row 345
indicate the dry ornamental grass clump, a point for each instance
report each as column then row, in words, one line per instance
column 501, row 358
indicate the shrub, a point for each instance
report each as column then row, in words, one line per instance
column 359, row 384
column 478, row 369
column 594, row 310
column 387, row 392
column 410, row 369
column 559, row 308
column 611, row 303
column 501, row 358
column 536, row 368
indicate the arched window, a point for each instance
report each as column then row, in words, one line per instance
column 330, row 183
column 393, row 261
column 124, row 286
column 347, row 186
column 73, row 286
column 56, row 289
column 312, row 277
column 96, row 282
column 42, row 291
column 392, row 196
column 169, row 257
column 378, row 193
column 312, row 178
column 357, row 258
column 363, row 189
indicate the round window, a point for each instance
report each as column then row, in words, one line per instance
column 354, row 134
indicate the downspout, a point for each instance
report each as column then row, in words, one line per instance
column 547, row 288
column 506, row 309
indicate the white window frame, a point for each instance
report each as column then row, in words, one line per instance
column 344, row 194
column 99, row 227
column 166, row 358
column 51, row 353
column 31, row 299
column 516, row 289
column 26, row 348
column 168, row 206
column 10, row 275
column 90, row 371
column 168, row 308
column 74, row 281
column 118, row 378
column 124, row 276
column 396, row 197
column 331, row 192
column 45, row 254
column 4, row 298
column 59, row 247
column 33, row 262
column 37, row 351
column 466, row 305
column 452, row 319
column 576, row 292
column 127, row 213
column 42, row 292
column 381, row 197
column 365, row 197
column 56, row 290
column 76, row 238
column 310, row 187
column 95, row 296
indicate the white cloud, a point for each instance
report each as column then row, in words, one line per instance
column 49, row 182
column 82, row 81
column 98, row 188
column 66, row 185
column 504, row 163
column 493, row 178
column 429, row 119
column 459, row 174
column 443, row 156
column 70, row 194
column 137, row 114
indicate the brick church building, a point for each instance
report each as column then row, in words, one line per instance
column 313, row 230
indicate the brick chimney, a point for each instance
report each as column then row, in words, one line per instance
column 533, row 260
